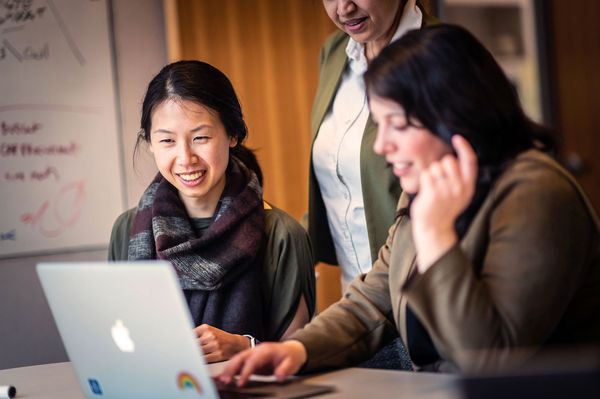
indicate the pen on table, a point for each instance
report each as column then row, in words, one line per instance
column 7, row 391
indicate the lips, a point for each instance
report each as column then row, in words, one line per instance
column 192, row 178
column 354, row 21
column 401, row 168
column 355, row 24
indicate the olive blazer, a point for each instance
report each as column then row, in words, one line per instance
column 380, row 187
column 526, row 274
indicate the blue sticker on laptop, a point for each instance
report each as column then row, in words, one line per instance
column 95, row 386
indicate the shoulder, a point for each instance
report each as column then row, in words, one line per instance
column 287, row 244
column 534, row 179
column 336, row 42
column 280, row 224
column 124, row 220
column 428, row 20
column 119, row 238
column 537, row 170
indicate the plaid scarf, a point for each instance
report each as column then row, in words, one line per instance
column 219, row 270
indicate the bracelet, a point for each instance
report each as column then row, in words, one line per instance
column 253, row 341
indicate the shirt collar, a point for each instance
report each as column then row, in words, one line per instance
column 412, row 18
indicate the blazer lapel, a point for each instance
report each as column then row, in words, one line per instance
column 330, row 77
column 402, row 264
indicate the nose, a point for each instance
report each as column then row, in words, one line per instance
column 185, row 155
column 345, row 7
column 382, row 146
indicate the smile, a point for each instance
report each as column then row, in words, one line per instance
column 191, row 176
column 354, row 21
column 191, row 179
column 356, row 24
column 401, row 165
column 400, row 168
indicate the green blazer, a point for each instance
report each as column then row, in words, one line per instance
column 525, row 276
column 287, row 266
column 380, row 187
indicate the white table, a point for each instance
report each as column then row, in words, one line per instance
column 58, row 381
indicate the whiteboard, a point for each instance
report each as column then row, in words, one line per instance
column 60, row 166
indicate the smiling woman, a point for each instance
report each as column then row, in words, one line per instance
column 246, row 268
column 191, row 150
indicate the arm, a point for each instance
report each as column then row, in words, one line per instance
column 355, row 327
column 289, row 275
column 346, row 332
column 218, row 345
column 289, row 279
column 301, row 317
column 535, row 245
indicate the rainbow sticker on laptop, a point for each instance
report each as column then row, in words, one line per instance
column 186, row 381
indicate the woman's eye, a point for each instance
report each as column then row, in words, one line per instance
column 401, row 127
column 201, row 138
column 165, row 141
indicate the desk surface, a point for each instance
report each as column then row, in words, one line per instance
column 58, row 381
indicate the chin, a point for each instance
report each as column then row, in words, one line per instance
column 409, row 188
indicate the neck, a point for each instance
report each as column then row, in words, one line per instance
column 205, row 206
column 373, row 48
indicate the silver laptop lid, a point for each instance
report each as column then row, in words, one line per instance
column 126, row 329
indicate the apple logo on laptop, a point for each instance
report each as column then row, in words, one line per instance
column 120, row 334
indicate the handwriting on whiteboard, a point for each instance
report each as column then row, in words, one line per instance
column 55, row 216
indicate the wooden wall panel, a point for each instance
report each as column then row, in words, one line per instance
column 269, row 49
column 575, row 43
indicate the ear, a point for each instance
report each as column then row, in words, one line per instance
column 233, row 141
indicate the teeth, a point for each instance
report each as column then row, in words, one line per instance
column 191, row 176
column 400, row 165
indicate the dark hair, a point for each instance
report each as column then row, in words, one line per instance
column 204, row 84
column 445, row 78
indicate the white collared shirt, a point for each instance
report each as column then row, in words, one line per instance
column 336, row 157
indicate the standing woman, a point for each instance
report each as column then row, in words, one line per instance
column 246, row 268
column 352, row 192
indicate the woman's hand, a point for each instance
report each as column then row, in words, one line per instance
column 446, row 188
column 218, row 345
column 279, row 358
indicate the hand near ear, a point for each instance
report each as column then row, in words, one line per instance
column 446, row 188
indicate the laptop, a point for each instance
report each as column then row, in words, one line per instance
column 128, row 333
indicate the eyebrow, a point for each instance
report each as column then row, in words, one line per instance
column 194, row 130
column 396, row 113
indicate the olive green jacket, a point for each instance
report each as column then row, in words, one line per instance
column 525, row 275
column 288, row 266
column 380, row 187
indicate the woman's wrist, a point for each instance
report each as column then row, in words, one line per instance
column 251, row 340
column 431, row 244
column 298, row 351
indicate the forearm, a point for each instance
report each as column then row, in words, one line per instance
column 352, row 329
column 337, row 339
column 459, row 314
column 300, row 319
